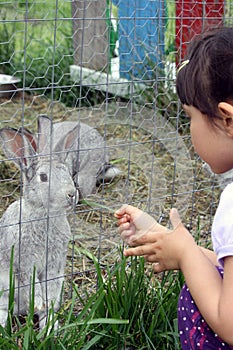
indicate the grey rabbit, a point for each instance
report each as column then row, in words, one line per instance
column 36, row 224
column 88, row 158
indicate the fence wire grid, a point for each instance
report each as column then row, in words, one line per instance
column 110, row 65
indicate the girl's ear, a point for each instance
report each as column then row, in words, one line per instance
column 226, row 112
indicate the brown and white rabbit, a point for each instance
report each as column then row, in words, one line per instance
column 36, row 224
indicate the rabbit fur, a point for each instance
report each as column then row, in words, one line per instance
column 88, row 160
column 36, row 224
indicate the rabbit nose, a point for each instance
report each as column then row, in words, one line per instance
column 72, row 197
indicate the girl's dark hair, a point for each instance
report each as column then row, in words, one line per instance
column 207, row 78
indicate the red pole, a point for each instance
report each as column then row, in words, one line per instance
column 193, row 17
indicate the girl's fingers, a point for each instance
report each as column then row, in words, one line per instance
column 123, row 219
column 127, row 210
column 145, row 238
column 139, row 251
column 124, row 226
column 151, row 258
column 120, row 212
column 175, row 218
column 157, row 267
column 125, row 235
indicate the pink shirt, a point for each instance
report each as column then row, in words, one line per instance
column 222, row 228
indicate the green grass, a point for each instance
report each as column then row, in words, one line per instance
column 36, row 46
column 33, row 25
column 149, row 303
column 130, row 309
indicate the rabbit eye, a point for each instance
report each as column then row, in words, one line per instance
column 43, row 177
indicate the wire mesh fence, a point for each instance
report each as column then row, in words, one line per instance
column 110, row 65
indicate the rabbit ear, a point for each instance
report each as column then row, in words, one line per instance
column 44, row 134
column 29, row 135
column 16, row 147
column 65, row 144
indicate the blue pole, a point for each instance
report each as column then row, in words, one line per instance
column 141, row 28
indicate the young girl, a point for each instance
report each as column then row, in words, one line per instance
column 205, row 310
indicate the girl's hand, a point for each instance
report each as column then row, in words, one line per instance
column 135, row 223
column 156, row 243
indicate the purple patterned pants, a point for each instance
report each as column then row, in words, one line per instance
column 195, row 334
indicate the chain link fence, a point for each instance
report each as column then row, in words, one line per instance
column 110, row 65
